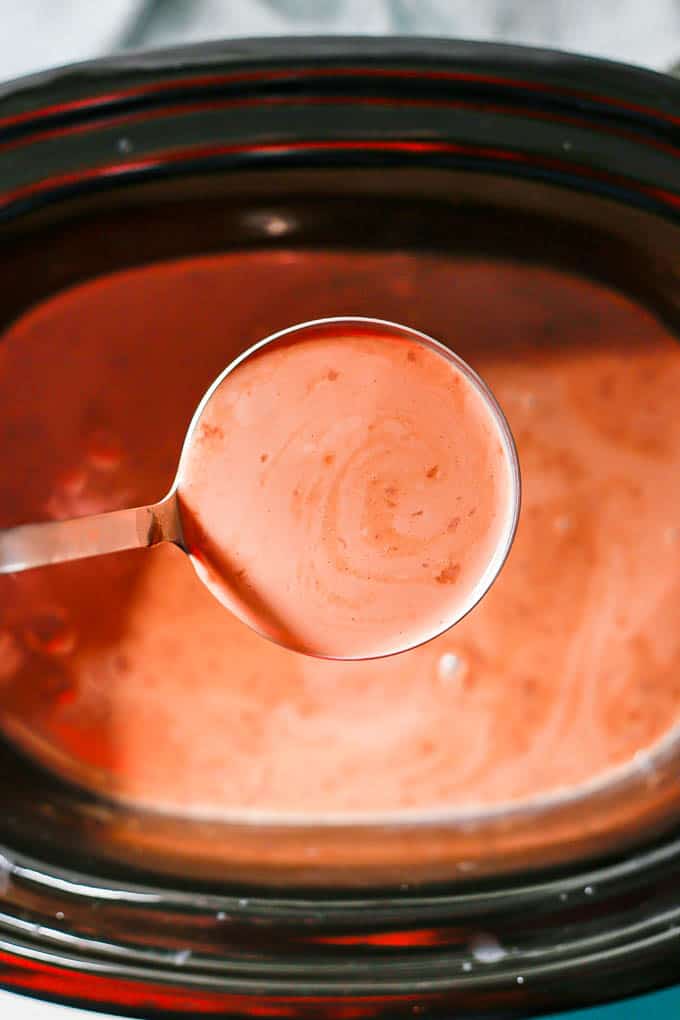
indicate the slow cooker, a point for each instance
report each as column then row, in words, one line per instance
column 359, row 149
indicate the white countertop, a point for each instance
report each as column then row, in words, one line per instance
column 43, row 33
column 19, row 1007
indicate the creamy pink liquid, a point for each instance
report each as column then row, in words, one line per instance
column 347, row 491
column 127, row 675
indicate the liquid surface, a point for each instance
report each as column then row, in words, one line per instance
column 347, row 491
column 569, row 667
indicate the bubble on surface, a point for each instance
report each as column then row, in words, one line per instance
column 449, row 666
column 562, row 524
column 50, row 632
column 11, row 655
column 103, row 450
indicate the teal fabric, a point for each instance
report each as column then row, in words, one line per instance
column 658, row 1006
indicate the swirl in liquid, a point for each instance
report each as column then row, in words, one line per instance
column 347, row 491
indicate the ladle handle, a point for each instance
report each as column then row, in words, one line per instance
column 37, row 545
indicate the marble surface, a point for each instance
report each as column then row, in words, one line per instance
column 37, row 34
